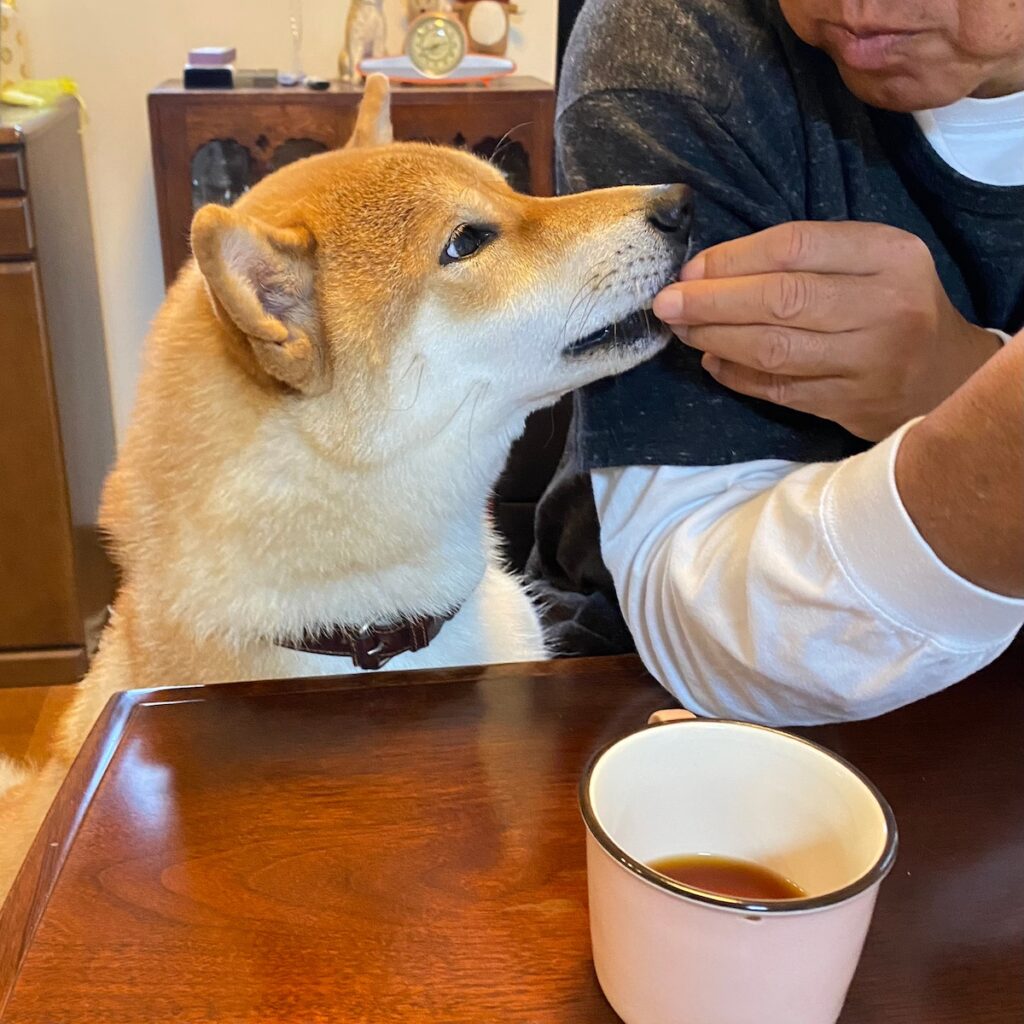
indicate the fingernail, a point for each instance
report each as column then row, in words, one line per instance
column 711, row 363
column 694, row 270
column 668, row 305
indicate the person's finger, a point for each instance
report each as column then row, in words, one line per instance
column 812, row 302
column 781, row 350
column 820, row 247
column 818, row 395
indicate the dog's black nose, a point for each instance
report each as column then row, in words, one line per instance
column 668, row 209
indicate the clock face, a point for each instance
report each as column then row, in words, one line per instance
column 435, row 45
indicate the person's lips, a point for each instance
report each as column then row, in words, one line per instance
column 868, row 49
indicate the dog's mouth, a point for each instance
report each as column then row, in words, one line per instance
column 638, row 329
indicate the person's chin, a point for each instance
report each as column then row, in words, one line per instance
column 899, row 91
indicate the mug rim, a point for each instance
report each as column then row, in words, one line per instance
column 875, row 874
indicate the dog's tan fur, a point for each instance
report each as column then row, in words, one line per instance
column 323, row 409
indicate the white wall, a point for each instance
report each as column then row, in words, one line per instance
column 119, row 49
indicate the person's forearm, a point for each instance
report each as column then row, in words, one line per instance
column 791, row 595
column 960, row 474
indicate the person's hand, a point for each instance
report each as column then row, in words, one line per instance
column 847, row 321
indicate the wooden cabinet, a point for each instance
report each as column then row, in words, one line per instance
column 56, row 427
column 212, row 145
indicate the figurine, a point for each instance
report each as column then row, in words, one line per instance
column 414, row 8
column 364, row 36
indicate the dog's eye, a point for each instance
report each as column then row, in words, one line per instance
column 465, row 240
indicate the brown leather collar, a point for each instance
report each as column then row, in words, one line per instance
column 372, row 647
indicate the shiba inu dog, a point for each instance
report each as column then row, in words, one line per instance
column 330, row 391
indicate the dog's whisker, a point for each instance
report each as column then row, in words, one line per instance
column 492, row 159
column 455, row 412
column 576, row 300
column 417, row 360
column 590, row 297
column 593, row 283
column 593, row 300
column 639, row 290
column 581, row 292
column 472, row 413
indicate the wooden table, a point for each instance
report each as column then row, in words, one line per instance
column 407, row 848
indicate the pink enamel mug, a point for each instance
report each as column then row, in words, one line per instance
column 666, row 953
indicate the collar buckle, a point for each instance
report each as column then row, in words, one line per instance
column 371, row 646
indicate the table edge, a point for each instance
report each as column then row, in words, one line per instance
column 552, row 668
column 23, row 909
column 510, row 85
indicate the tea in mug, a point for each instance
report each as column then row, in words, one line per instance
column 727, row 876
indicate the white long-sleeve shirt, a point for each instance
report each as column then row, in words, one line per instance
column 795, row 594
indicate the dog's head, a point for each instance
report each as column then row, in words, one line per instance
column 401, row 281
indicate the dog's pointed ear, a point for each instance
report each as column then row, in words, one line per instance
column 262, row 279
column 373, row 121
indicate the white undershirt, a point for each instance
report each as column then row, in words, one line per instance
column 982, row 139
column 794, row 594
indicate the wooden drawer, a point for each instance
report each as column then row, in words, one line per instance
column 38, row 597
column 12, row 170
column 16, row 240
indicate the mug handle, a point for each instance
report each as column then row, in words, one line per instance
column 670, row 715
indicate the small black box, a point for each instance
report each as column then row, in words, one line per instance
column 197, row 77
